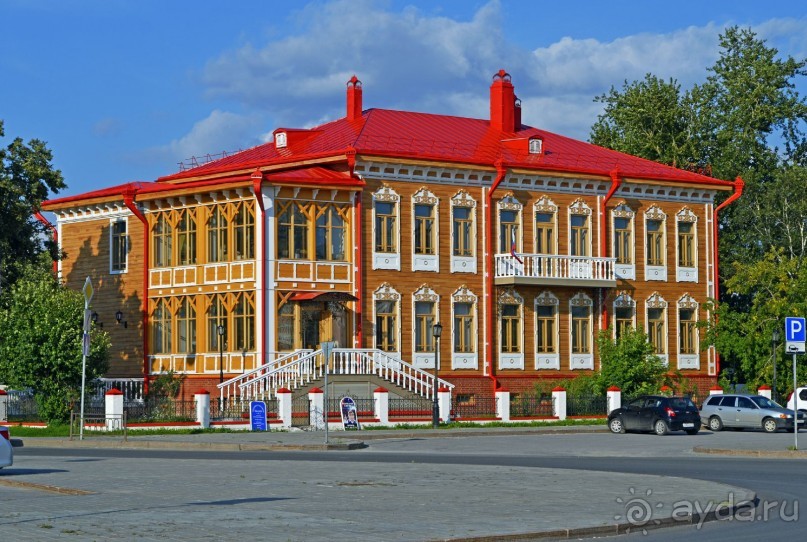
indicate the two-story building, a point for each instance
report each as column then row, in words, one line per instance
column 368, row 230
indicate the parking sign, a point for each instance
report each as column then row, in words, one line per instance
column 795, row 335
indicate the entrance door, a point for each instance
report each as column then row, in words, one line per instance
column 322, row 323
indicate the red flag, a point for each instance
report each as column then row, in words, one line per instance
column 513, row 247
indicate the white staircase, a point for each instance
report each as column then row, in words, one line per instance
column 297, row 369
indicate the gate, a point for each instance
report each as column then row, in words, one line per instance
column 301, row 412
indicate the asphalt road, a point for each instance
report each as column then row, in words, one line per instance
column 405, row 488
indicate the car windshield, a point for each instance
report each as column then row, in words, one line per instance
column 682, row 403
column 764, row 402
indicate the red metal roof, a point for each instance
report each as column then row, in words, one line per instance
column 314, row 176
column 404, row 134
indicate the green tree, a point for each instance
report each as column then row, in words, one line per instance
column 41, row 342
column 628, row 363
column 26, row 178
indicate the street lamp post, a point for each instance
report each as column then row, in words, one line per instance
column 437, row 330
column 220, row 330
column 775, row 340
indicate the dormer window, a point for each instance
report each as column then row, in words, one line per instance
column 536, row 145
column 280, row 140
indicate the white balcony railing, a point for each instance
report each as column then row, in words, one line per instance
column 546, row 269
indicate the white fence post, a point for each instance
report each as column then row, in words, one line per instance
column 614, row 398
column 381, row 406
column 444, row 403
column 715, row 390
column 113, row 409
column 559, row 403
column 284, row 406
column 3, row 406
column 202, row 398
column 764, row 391
column 503, row 404
column 316, row 408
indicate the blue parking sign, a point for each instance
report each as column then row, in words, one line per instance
column 795, row 334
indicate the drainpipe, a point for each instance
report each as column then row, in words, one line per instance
column 55, row 233
column 616, row 180
column 257, row 180
column 500, row 172
column 738, row 191
column 358, row 253
column 129, row 200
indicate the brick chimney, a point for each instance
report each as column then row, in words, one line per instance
column 502, row 103
column 354, row 108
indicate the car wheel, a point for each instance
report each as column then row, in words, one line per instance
column 660, row 427
column 616, row 425
column 769, row 425
column 693, row 431
column 715, row 423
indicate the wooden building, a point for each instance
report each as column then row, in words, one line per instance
column 368, row 230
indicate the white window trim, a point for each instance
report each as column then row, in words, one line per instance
column 465, row 360
column 545, row 205
column 387, row 260
column 426, row 262
column 510, row 203
column 656, row 272
column 624, row 300
column 656, row 301
column 511, row 360
column 386, row 292
column 687, row 274
column 463, row 264
column 580, row 208
column 424, row 360
column 547, row 360
column 687, row 361
column 582, row 360
column 125, row 269
column 622, row 270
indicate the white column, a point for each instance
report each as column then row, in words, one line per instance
column 503, row 405
column 3, row 406
column 444, row 403
column 614, row 398
column 381, row 407
column 113, row 408
column 764, row 391
column 716, row 390
column 559, row 403
column 202, row 398
column 284, row 406
column 316, row 408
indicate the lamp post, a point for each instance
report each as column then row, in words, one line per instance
column 437, row 330
column 775, row 340
column 220, row 330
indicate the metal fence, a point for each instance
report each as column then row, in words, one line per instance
column 410, row 408
column 94, row 424
column 301, row 412
column 480, row 407
column 529, row 405
column 22, row 407
column 586, row 405
column 160, row 410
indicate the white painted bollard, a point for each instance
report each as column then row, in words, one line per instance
column 715, row 390
column 503, row 405
column 316, row 408
column 444, row 404
column 3, row 406
column 202, row 398
column 284, row 406
column 614, row 398
column 764, row 391
column 381, row 405
column 559, row 403
column 113, row 409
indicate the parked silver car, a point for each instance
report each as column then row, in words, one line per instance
column 6, row 452
column 746, row 411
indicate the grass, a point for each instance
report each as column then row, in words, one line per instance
column 463, row 425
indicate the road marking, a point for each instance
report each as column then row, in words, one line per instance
column 43, row 487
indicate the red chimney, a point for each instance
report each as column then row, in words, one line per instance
column 502, row 103
column 354, row 99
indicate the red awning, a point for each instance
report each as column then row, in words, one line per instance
column 322, row 296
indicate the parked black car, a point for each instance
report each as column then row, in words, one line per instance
column 656, row 413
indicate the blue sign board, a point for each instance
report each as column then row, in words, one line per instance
column 257, row 415
column 795, row 334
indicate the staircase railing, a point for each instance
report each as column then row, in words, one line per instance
column 231, row 388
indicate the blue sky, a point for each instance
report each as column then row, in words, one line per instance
column 124, row 90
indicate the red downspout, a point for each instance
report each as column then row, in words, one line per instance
column 257, row 180
column 738, row 191
column 129, row 200
column 359, row 254
column 616, row 180
column 52, row 228
column 500, row 172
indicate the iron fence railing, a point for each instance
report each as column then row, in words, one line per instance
column 22, row 407
column 586, row 405
column 480, row 407
column 364, row 406
column 413, row 407
column 530, row 405
column 160, row 410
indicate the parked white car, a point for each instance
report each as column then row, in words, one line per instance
column 798, row 400
column 6, row 451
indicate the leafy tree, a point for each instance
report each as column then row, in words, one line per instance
column 628, row 363
column 41, row 342
column 26, row 178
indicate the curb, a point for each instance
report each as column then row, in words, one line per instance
column 784, row 454
column 175, row 445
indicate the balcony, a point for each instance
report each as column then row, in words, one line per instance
column 551, row 270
